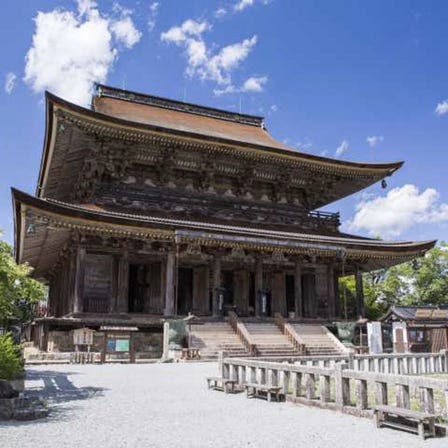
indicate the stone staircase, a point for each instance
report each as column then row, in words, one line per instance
column 318, row 341
column 212, row 337
column 269, row 340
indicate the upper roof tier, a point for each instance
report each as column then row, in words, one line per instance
column 184, row 117
column 135, row 117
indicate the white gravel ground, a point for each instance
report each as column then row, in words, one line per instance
column 168, row 405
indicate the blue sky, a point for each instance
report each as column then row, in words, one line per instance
column 357, row 80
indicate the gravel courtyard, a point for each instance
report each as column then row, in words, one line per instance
column 168, row 405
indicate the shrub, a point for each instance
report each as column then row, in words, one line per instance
column 10, row 358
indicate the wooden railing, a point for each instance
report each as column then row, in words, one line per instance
column 290, row 334
column 402, row 363
column 84, row 357
column 242, row 333
column 393, row 363
column 341, row 388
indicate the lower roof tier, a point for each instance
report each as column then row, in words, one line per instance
column 44, row 227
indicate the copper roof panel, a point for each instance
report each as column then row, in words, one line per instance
column 186, row 122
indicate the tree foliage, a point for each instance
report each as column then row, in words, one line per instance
column 11, row 362
column 423, row 281
column 17, row 289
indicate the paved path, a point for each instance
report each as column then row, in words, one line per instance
column 168, row 405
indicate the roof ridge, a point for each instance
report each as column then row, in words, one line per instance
column 176, row 105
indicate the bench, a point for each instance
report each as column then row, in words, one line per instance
column 224, row 384
column 263, row 391
column 383, row 412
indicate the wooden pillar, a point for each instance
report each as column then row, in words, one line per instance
column 331, row 291
column 360, row 307
column 122, row 301
column 201, row 289
column 241, row 290
column 298, row 300
column 170, row 277
column 258, row 286
column 336, row 292
column 216, row 284
column 278, row 300
column 78, row 286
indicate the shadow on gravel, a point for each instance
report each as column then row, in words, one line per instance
column 58, row 388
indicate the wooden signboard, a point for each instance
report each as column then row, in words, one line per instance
column 83, row 336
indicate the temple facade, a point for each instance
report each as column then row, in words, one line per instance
column 148, row 208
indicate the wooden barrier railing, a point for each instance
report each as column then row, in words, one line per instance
column 340, row 388
column 84, row 357
column 397, row 364
column 290, row 334
column 242, row 333
column 402, row 364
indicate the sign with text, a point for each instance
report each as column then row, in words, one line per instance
column 83, row 336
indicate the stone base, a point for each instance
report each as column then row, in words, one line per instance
column 22, row 409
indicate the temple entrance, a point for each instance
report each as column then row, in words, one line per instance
column 138, row 285
column 309, row 295
column 289, row 286
column 227, row 284
column 185, row 291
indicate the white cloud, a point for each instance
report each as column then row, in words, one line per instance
column 252, row 84
column 204, row 63
column 218, row 67
column 220, row 12
column 125, row 32
column 374, row 140
column 10, row 82
column 243, row 4
column 342, row 148
column 190, row 29
column 255, row 83
column 153, row 10
column 305, row 144
column 72, row 50
column 391, row 215
column 86, row 7
column 274, row 108
column 442, row 108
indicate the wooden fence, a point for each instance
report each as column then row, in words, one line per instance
column 398, row 364
column 339, row 387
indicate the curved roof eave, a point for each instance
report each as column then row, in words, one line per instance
column 383, row 169
column 115, row 218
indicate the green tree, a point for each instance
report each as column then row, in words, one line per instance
column 11, row 362
column 17, row 289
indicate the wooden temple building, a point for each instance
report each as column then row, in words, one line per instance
column 148, row 208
